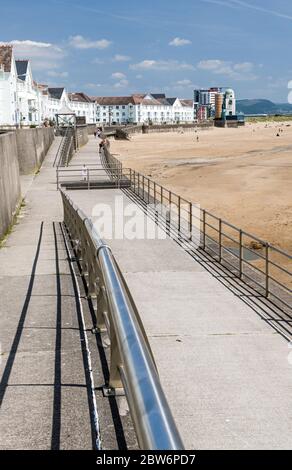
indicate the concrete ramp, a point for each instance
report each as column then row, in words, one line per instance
column 225, row 370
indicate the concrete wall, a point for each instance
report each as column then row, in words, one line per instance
column 10, row 192
column 32, row 147
column 91, row 128
column 82, row 135
column 146, row 129
column 177, row 127
column 231, row 123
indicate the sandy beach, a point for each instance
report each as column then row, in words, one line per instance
column 242, row 175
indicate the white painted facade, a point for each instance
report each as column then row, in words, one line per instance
column 121, row 113
column 143, row 109
column 83, row 107
column 8, row 95
column 230, row 102
column 28, row 99
column 24, row 102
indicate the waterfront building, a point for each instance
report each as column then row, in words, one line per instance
column 143, row 109
column 9, row 113
column 24, row 102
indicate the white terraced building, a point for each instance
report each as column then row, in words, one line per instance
column 83, row 106
column 23, row 102
column 8, row 87
column 143, row 108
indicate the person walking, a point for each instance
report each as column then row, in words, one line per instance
column 104, row 143
column 84, row 173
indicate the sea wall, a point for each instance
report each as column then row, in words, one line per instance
column 177, row 127
column 10, row 192
column 32, row 147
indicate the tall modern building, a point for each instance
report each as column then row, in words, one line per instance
column 207, row 103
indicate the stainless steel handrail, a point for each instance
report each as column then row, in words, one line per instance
column 132, row 364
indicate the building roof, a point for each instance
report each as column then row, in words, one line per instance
column 6, row 57
column 21, row 67
column 144, row 99
column 187, row 103
column 56, row 93
column 163, row 101
column 65, row 110
column 147, row 99
column 80, row 97
column 158, row 96
column 148, row 102
column 171, row 101
column 113, row 100
column 138, row 98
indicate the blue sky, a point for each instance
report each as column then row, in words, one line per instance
column 122, row 47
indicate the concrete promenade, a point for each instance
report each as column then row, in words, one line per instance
column 224, row 369
column 46, row 393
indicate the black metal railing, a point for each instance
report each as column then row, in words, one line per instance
column 258, row 263
column 66, row 148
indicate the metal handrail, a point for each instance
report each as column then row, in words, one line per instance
column 63, row 153
column 94, row 174
column 58, row 151
column 132, row 365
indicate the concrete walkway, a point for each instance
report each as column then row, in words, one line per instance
column 224, row 369
column 46, row 392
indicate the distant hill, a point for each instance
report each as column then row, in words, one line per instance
column 262, row 107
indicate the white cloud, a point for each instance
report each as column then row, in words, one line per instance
column 243, row 67
column 43, row 55
column 177, row 42
column 79, row 42
column 237, row 71
column 97, row 61
column 184, row 82
column 118, row 75
column 182, row 85
column 121, row 84
column 139, row 76
column 53, row 73
column 93, row 85
column 162, row 65
column 121, row 58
